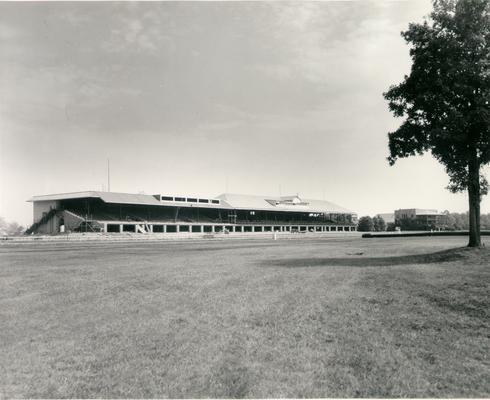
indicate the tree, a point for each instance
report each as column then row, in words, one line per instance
column 379, row 224
column 10, row 228
column 365, row 224
column 462, row 221
column 450, row 221
column 390, row 227
column 14, row 229
column 485, row 221
column 3, row 227
column 410, row 224
column 445, row 99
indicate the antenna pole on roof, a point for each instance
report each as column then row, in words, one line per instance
column 108, row 176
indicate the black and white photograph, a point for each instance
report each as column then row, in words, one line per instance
column 244, row 199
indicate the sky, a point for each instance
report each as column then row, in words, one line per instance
column 202, row 98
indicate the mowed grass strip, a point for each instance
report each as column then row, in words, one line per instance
column 296, row 318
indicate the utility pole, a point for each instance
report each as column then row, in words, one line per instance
column 108, row 176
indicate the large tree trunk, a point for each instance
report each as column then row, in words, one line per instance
column 474, row 201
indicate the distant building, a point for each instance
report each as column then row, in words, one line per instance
column 95, row 211
column 389, row 218
column 419, row 219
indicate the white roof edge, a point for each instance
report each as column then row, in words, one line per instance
column 63, row 196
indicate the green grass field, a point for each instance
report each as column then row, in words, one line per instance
column 250, row 318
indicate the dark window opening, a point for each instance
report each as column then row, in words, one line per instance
column 180, row 199
column 257, row 229
column 171, row 228
column 208, row 228
column 215, row 201
column 191, row 200
column 196, row 228
column 129, row 228
column 184, row 228
column 203, row 201
column 247, row 229
column 112, row 228
column 157, row 228
column 218, row 228
column 167, row 198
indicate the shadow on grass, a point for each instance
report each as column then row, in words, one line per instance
column 360, row 261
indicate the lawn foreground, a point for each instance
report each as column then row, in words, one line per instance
column 354, row 317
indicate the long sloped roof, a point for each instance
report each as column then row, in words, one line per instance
column 227, row 201
column 122, row 198
column 280, row 203
column 108, row 197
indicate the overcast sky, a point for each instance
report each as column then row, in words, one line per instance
column 203, row 98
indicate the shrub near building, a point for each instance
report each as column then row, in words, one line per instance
column 365, row 224
column 374, row 224
column 379, row 224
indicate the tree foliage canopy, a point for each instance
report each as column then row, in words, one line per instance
column 10, row 228
column 379, row 224
column 445, row 100
column 365, row 224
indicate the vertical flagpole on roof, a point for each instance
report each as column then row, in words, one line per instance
column 108, row 176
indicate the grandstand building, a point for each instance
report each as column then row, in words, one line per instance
column 110, row 212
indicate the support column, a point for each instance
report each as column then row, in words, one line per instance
column 177, row 228
column 120, row 228
column 164, row 228
column 105, row 227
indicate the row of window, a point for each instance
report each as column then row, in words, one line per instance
column 189, row 200
column 233, row 228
